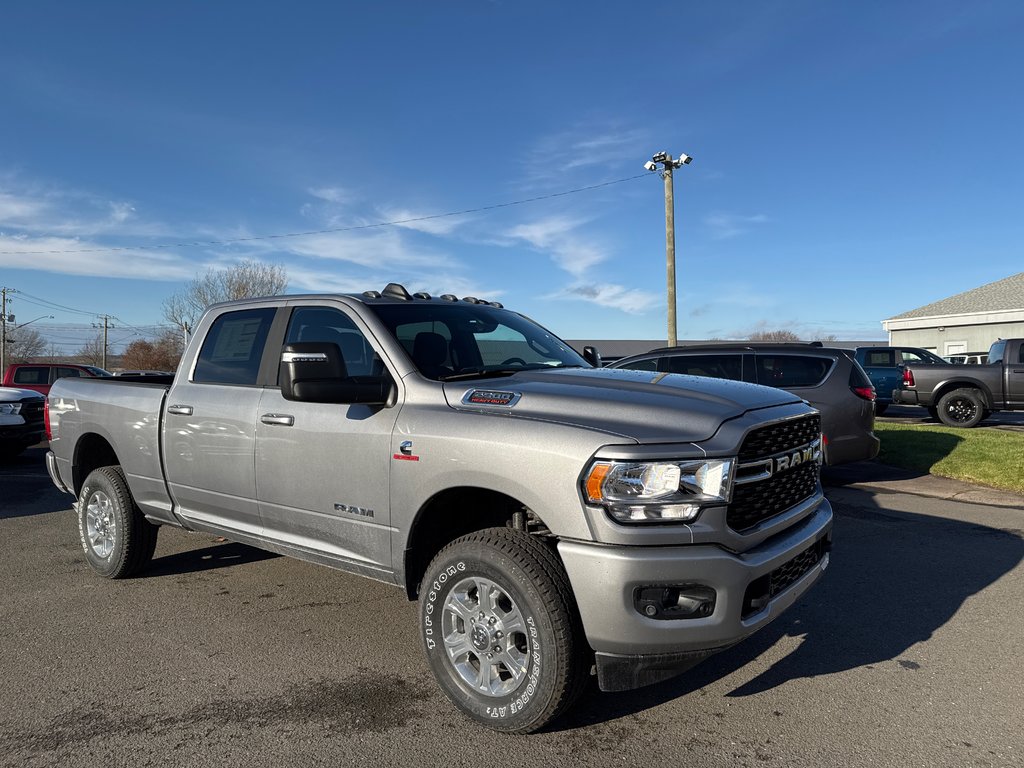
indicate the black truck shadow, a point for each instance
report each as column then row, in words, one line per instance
column 220, row 555
column 894, row 579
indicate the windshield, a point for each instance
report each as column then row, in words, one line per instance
column 461, row 340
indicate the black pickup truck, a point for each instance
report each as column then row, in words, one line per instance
column 963, row 395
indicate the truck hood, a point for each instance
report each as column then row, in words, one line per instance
column 639, row 405
column 13, row 395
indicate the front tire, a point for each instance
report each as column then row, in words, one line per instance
column 961, row 408
column 501, row 630
column 117, row 539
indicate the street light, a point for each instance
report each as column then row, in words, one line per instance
column 41, row 317
column 3, row 336
column 669, row 164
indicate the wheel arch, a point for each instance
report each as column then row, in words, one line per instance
column 91, row 452
column 948, row 386
column 454, row 512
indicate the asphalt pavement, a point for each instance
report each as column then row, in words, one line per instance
column 907, row 654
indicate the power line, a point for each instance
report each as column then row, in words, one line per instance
column 41, row 302
column 254, row 238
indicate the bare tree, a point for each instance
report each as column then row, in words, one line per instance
column 24, row 344
column 91, row 353
column 775, row 335
column 247, row 279
column 161, row 355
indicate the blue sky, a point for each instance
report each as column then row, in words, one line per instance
column 852, row 160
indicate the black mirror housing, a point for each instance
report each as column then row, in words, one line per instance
column 592, row 356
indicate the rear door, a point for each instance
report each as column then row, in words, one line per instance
column 1014, row 368
column 323, row 469
column 210, row 425
column 881, row 366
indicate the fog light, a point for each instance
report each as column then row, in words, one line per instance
column 687, row 601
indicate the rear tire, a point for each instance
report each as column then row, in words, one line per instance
column 501, row 630
column 117, row 539
column 961, row 408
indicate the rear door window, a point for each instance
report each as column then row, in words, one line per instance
column 233, row 348
column 67, row 373
column 36, row 375
column 713, row 366
column 880, row 358
column 785, row 371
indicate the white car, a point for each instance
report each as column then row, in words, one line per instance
column 21, row 420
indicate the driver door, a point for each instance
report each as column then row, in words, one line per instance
column 323, row 469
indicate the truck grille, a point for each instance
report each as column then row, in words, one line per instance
column 755, row 502
column 32, row 410
column 780, row 437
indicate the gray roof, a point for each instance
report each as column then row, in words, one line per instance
column 1007, row 293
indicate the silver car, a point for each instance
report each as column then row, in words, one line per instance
column 829, row 379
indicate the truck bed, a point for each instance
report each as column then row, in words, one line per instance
column 125, row 412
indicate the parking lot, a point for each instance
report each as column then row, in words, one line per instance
column 908, row 653
column 911, row 414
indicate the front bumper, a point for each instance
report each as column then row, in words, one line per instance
column 21, row 434
column 634, row 650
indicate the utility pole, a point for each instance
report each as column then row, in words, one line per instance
column 3, row 330
column 668, row 165
column 106, row 324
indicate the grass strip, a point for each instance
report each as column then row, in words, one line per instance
column 989, row 456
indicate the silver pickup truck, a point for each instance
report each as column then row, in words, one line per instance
column 553, row 519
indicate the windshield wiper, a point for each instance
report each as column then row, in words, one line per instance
column 493, row 374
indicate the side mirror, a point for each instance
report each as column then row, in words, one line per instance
column 314, row 372
column 592, row 356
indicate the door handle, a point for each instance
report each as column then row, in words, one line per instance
column 181, row 410
column 280, row 419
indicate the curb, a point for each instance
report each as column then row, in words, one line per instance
column 889, row 479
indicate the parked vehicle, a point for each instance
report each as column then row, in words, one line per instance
column 21, row 420
column 39, row 377
column 884, row 366
column 970, row 358
column 964, row 395
column 829, row 379
column 550, row 517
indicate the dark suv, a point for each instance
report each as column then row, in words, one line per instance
column 829, row 379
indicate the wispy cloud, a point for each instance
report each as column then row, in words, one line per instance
column 385, row 247
column 582, row 147
column 406, row 217
column 64, row 255
column 630, row 300
column 726, row 225
column 559, row 236
column 336, row 195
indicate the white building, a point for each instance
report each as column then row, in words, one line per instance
column 967, row 322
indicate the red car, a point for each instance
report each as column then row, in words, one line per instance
column 39, row 377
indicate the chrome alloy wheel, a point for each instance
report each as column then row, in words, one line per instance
column 100, row 527
column 485, row 637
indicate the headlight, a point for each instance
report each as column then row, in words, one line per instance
column 658, row 492
column 10, row 409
